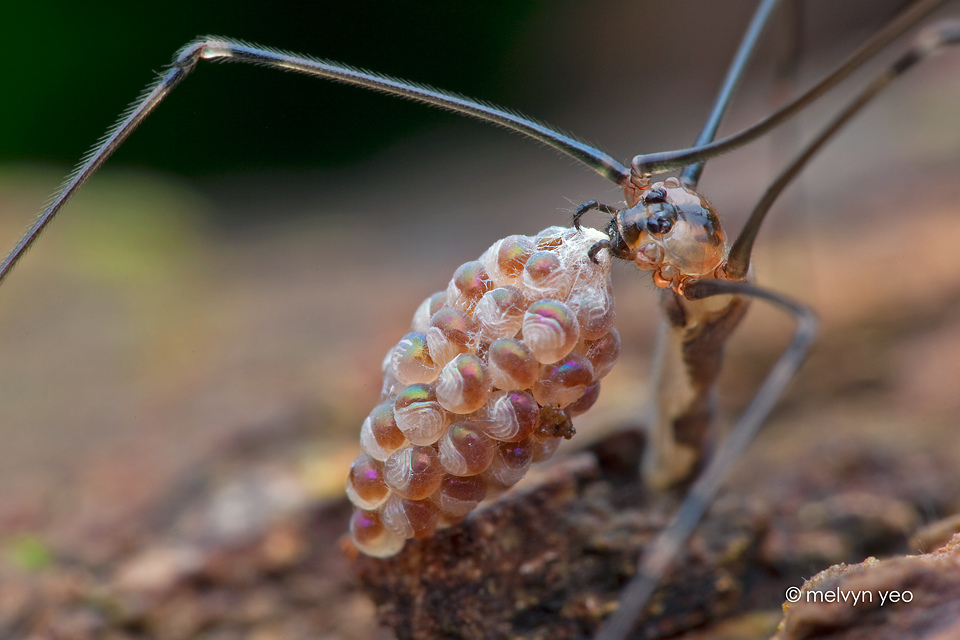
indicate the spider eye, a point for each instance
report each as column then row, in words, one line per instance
column 632, row 222
column 660, row 218
column 655, row 196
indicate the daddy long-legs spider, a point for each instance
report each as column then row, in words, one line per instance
column 351, row 231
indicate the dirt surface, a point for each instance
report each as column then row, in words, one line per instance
column 907, row 597
column 549, row 562
column 255, row 558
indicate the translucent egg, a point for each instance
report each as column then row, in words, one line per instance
column 391, row 386
column 587, row 400
column 465, row 450
column 413, row 472
column 470, row 281
column 511, row 364
column 510, row 463
column 379, row 435
column 418, row 414
column 410, row 518
column 489, row 261
column 411, row 361
column 459, row 496
column 602, row 353
column 451, row 332
column 366, row 487
column 510, row 416
column 464, row 385
column 551, row 238
column 545, row 276
column 563, row 382
column 421, row 318
column 505, row 259
column 595, row 311
column 371, row 537
column 499, row 314
column 544, row 448
column 550, row 329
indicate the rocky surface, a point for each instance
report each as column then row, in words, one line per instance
column 903, row 597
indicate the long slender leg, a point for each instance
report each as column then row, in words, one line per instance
column 651, row 163
column 693, row 334
column 223, row 49
column 589, row 206
column 660, row 555
column 930, row 41
column 790, row 43
column 671, row 540
column 690, row 175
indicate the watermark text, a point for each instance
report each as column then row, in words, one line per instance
column 851, row 597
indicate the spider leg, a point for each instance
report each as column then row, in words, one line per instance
column 668, row 160
column 928, row 42
column 589, row 206
column 225, row 49
column 595, row 249
column 660, row 555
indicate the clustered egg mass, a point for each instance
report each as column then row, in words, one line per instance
column 485, row 384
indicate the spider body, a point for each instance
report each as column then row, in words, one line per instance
column 670, row 230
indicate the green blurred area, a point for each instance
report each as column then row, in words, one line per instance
column 29, row 552
column 71, row 68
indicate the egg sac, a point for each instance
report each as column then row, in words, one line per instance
column 484, row 384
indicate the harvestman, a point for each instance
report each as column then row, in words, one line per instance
column 665, row 227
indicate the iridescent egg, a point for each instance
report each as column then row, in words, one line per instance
column 459, row 496
column 391, row 385
column 511, row 364
column 551, row 238
column 418, row 414
column 602, row 353
column 544, row 448
column 470, row 281
column 372, row 537
column 550, row 329
column 464, row 385
column 510, row 416
column 421, row 317
column 564, row 382
column 587, row 400
column 413, row 472
column 410, row 518
column 379, row 435
column 545, row 276
column 411, row 361
column 451, row 332
column 366, row 486
column 499, row 314
column 505, row 259
column 595, row 311
column 510, row 463
column 465, row 450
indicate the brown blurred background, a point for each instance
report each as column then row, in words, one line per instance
column 230, row 281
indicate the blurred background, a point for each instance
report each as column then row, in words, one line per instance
column 228, row 284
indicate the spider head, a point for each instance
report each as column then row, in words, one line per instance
column 673, row 232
